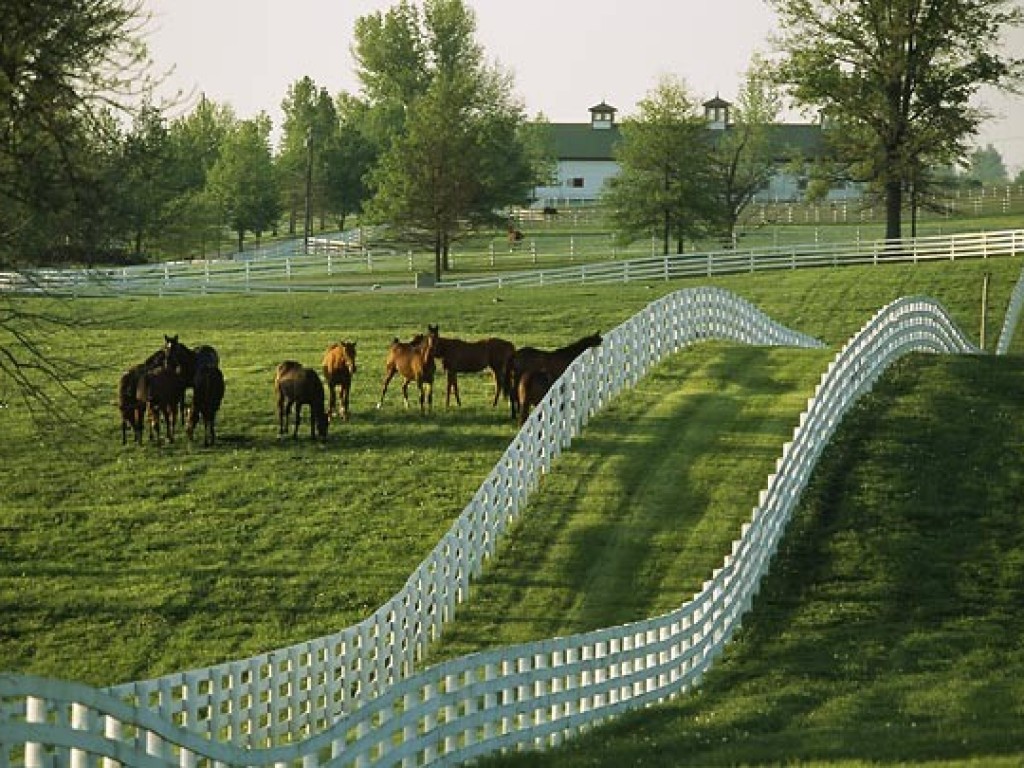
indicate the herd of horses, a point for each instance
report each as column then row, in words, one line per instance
column 154, row 391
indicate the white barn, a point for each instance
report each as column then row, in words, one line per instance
column 585, row 155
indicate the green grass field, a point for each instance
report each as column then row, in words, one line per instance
column 880, row 636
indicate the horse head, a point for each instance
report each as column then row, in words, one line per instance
column 348, row 351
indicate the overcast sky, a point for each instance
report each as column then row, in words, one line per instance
column 565, row 55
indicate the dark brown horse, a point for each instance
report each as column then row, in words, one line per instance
column 458, row 356
column 298, row 386
column 553, row 363
column 339, row 363
column 158, row 394
column 414, row 361
column 127, row 402
column 207, row 395
column 533, row 385
column 187, row 362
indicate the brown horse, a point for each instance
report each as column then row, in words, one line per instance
column 127, row 402
column 458, row 356
column 207, row 395
column 298, row 386
column 553, row 362
column 187, row 362
column 414, row 360
column 339, row 363
column 158, row 394
column 533, row 385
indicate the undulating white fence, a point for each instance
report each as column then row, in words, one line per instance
column 327, row 271
column 353, row 698
column 1012, row 316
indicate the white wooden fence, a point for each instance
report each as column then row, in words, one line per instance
column 1012, row 316
column 330, row 272
column 352, row 698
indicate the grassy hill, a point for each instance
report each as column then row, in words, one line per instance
column 120, row 563
column 888, row 631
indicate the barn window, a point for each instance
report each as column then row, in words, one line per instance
column 576, row 182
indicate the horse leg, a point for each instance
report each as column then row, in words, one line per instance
column 170, row 413
column 452, row 386
column 298, row 419
column 333, row 400
column 387, row 380
column 282, row 414
column 426, row 396
column 345, row 388
column 405, row 393
column 497, row 387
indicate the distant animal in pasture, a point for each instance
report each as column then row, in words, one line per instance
column 414, row 361
column 458, row 356
column 553, row 362
column 207, row 395
column 127, row 399
column 296, row 385
column 186, row 362
column 157, row 396
column 339, row 365
column 532, row 387
column 127, row 403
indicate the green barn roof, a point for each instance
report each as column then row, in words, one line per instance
column 580, row 141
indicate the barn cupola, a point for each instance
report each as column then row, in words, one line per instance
column 602, row 116
column 716, row 112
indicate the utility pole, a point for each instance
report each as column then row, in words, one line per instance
column 308, row 230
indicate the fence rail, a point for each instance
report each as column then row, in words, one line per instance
column 347, row 270
column 352, row 698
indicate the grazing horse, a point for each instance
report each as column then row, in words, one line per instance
column 552, row 362
column 158, row 394
column 298, row 386
column 458, row 356
column 414, row 360
column 187, row 362
column 533, row 385
column 207, row 395
column 339, row 364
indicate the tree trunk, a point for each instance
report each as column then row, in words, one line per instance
column 438, row 255
column 893, row 208
column 241, row 240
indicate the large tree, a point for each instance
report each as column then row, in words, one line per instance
column 310, row 127
column 898, row 77
column 65, row 66
column 348, row 157
column 243, row 180
column 449, row 126
column 986, row 166
column 664, row 185
column 746, row 152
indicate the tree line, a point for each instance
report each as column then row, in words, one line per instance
column 436, row 143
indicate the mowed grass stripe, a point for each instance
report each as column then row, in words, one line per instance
column 644, row 506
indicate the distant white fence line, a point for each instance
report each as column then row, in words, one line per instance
column 351, row 699
column 340, row 269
